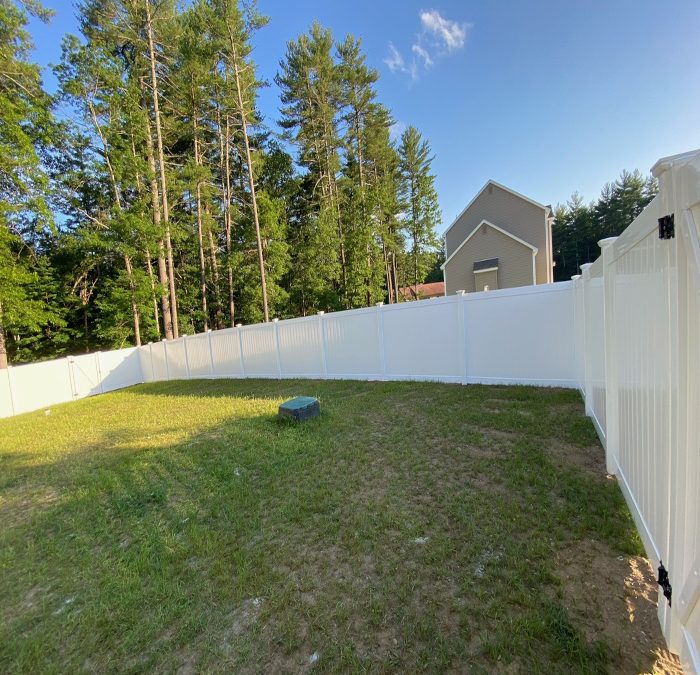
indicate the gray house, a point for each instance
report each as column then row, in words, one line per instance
column 501, row 239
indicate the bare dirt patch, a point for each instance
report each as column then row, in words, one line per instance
column 615, row 598
column 590, row 459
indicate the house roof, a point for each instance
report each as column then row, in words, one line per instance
column 431, row 290
column 502, row 187
column 495, row 227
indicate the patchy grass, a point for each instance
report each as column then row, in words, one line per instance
column 412, row 527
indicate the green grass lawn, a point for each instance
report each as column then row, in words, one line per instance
column 180, row 527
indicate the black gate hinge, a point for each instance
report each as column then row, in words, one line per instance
column 664, row 582
column 667, row 228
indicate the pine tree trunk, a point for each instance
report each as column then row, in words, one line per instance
column 214, row 266
column 335, row 197
column 155, row 206
column 86, row 329
column 396, row 278
column 200, row 238
column 414, row 218
column 251, row 179
column 134, row 305
column 153, row 292
column 363, row 212
column 147, row 252
column 225, row 144
column 387, row 273
column 161, row 166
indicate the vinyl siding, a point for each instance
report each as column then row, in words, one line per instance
column 514, row 261
column 484, row 279
column 523, row 219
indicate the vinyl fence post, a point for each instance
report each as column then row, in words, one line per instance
column 577, row 287
column 587, row 379
column 98, row 365
column 211, row 354
column 150, row 354
column 240, row 345
column 612, row 438
column 380, row 333
column 322, row 330
column 462, row 355
column 187, row 358
column 275, row 323
column 165, row 356
column 71, row 377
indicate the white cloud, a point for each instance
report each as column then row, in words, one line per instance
column 438, row 37
column 423, row 54
column 394, row 60
column 450, row 33
column 397, row 63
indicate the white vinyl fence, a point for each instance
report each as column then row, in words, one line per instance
column 638, row 364
column 464, row 338
column 38, row 385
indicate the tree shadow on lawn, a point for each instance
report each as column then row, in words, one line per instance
column 410, row 527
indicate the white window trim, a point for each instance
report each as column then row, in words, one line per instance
column 495, row 227
column 487, row 269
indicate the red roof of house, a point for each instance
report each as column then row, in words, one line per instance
column 423, row 291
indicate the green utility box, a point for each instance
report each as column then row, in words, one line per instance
column 300, row 408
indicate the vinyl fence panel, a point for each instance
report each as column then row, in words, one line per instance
column 199, row 355
column 176, row 357
column 86, row 375
column 260, row 355
column 146, row 363
column 226, row 353
column 39, row 385
column 159, row 363
column 300, row 347
column 521, row 336
column 120, row 368
column 352, row 344
column 422, row 340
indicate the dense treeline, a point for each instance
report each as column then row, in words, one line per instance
column 147, row 198
column 579, row 227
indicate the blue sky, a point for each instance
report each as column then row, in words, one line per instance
column 544, row 96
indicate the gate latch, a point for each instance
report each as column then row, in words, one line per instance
column 667, row 228
column 664, row 582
